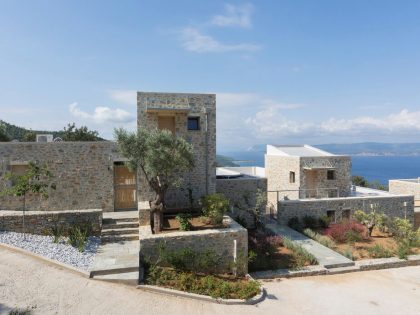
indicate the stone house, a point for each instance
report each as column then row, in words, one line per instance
column 92, row 175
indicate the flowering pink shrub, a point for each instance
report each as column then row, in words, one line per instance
column 342, row 230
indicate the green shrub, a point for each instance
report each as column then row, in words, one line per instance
column 184, row 223
column 57, row 232
column 214, row 206
column 403, row 249
column 300, row 256
column 78, row 236
column 352, row 236
column 324, row 221
column 378, row 251
column 322, row 239
column 242, row 222
column 16, row 311
column 213, row 286
column 403, row 230
column 348, row 253
column 310, row 222
column 295, row 224
column 187, row 259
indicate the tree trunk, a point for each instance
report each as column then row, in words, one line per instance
column 156, row 207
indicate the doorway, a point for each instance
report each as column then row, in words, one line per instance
column 125, row 195
column 167, row 122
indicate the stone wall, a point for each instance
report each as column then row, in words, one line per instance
column 405, row 187
column 242, row 194
column 341, row 165
column 392, row 206
column 82, row 172
column 226, row 243
column 41, row 222
column 202, row 179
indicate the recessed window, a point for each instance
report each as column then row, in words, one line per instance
column 346, row 214
column 331, row 215
column 330, row 175
column 292, row 177
column 193, row 123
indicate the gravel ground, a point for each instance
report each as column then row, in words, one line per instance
column 62, row 252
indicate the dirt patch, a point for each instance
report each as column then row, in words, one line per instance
column 171, row 224
column 360, row 249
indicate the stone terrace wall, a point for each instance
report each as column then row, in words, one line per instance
column 390, row 205
column 82, row 171
column 242, row 194
column 202, row 179
column 405, row 187
column 41, row 222
column 221, row 241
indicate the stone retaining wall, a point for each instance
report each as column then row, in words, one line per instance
column 392, row 206
column 41, row 222
column 242, row 193
column 221, row 241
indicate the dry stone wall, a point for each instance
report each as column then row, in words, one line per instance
column 242, row 193
column 41, row 222
column 392, row 206
column 229, row 244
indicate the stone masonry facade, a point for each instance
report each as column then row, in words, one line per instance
column 202, row 179
column 407, row 187
column 392, row 206
column 242, row 193
column 41, row 222
column 230, row 244
column 82, row 172
column 278, row 170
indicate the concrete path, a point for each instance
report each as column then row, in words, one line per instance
column 325, row 256
column 28, row 283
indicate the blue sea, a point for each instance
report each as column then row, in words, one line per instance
column 378, row 168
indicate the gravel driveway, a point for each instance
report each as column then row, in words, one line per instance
column 25, row 282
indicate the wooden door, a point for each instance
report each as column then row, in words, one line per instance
column 124, row 188
column 167, row 122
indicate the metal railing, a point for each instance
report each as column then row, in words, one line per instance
column 317, row 193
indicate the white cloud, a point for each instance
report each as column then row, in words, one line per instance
column 102, row 114
column 254, row 100
column 128, row 97
column 193, row 40
column 235, row 15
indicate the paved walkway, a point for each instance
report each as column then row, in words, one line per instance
column 325, row 256
column 26, row 282
column 117, row 259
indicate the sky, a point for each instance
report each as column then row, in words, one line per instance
column 284, row 72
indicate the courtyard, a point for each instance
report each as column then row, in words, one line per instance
column 55, row 291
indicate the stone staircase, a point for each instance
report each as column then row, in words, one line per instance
column 119, row 229
column 117, row 259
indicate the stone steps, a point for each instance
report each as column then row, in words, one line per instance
column 115, row 238
column 119, row 220
column 119, row 231
column 120, row 225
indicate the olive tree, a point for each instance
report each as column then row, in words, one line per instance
column 161, row 157
column 37, row 180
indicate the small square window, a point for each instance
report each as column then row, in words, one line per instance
column 330, row 175
column 193, row 123
column 331, row 215
column 292, row 177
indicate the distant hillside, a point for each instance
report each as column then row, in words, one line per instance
column 365, row 148
column 373, row 148
column 222, row 160
column 16, row 132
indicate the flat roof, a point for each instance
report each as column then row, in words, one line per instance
column 300, row 150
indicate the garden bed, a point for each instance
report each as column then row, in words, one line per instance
column 172, row 224
column 271, row 252
column 215, row 286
